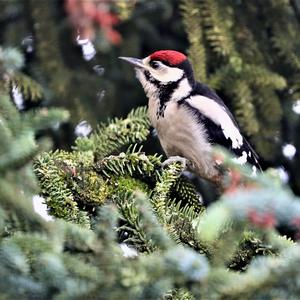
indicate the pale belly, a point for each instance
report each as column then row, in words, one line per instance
column 181, row 135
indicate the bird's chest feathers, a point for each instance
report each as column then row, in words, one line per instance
column 168, row 126
column 179, row 133
column 175, row 124
column 162, row 115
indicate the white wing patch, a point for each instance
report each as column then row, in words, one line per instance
column 242, row 159
column 254, row 171
column 218, row 114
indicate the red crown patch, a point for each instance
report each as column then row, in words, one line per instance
column 170, row 56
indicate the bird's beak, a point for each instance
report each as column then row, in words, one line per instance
column 134, row 61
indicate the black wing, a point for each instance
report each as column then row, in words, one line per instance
column 214, row 130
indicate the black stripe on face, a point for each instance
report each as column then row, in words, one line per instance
column 151, row 79
column 165, row 92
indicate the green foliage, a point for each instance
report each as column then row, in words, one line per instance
column 231, row 233
column 75, row 183
column 162, row 189
column 186, row 192
column 53, row 171
column 216, row 30
column 20, row 146
column 197, row 53
column 107, row 139
column 50, row 261
column 18, row 149
column 28, row 87
column 266, row 285
column 11, row 60
column 132, row 162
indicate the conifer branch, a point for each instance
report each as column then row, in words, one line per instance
column 119, row 132
column 29, row 88
column 243, row 107
column 193, row 27
column 162, row 190
column 217, row 36
column 52, row 171
column 269, row 277
column 187, row 193
column 40, row 119
column 132, row 162
column 132, row 224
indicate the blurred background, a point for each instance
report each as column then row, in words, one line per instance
column 249, row 51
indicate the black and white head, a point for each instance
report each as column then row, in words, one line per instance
column 166, row 71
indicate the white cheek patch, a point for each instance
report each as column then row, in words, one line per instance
column 166, row 74
column 218, row 114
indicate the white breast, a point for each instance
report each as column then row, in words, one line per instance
column 180, row 134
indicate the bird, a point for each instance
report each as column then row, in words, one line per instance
column 189, row 117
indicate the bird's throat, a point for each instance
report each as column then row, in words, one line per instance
column 163, row 92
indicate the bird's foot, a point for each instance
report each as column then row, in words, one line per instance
column 174, row 159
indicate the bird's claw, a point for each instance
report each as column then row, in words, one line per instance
column 174, row 159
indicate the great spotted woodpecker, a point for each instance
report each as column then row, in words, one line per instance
column 188, row 116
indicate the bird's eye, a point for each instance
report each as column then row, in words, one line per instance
column 154, row 64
